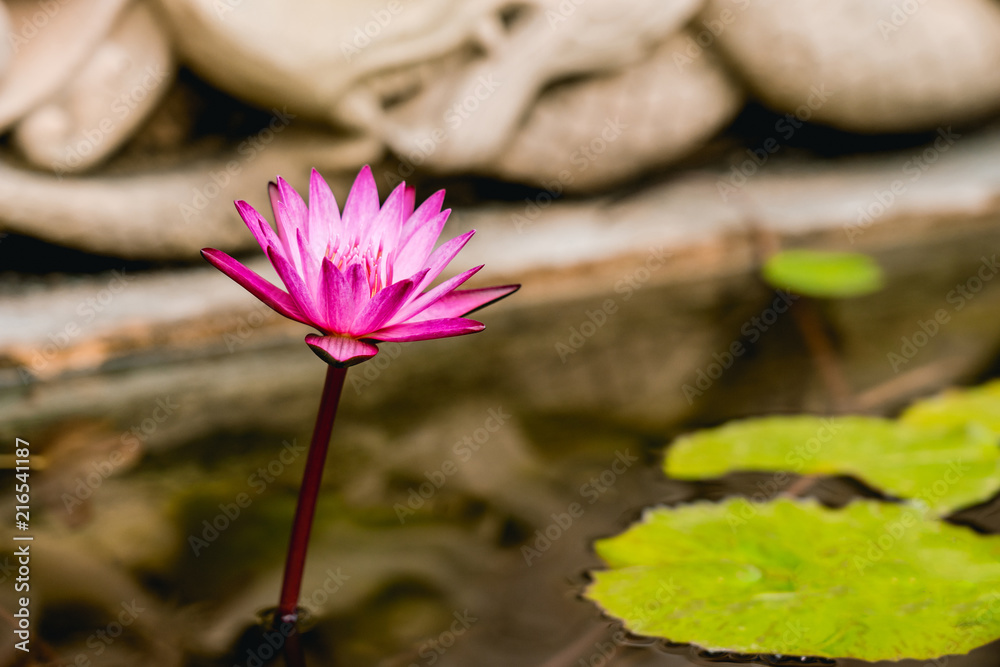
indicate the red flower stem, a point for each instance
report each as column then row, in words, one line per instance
column 294, row 655
column 291, row 585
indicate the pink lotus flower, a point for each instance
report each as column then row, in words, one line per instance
column 362, row 277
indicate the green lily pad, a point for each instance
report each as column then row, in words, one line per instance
column 823, row 274
column 958, row 407
column 871, row 581
column 941, row 469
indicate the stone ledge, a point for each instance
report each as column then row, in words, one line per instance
column 165, row 327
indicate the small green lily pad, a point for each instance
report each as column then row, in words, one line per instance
column 958, row 407
column 823, row 274
column 941, row 469
column 871, row 581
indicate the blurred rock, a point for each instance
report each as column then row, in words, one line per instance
column 173, row 211
column 603, row 130
column 864, row 65
column 307, row 53
column 110, row 95
column 466, row 116
column 463, row 87
column 50, row 44
column 567, row 97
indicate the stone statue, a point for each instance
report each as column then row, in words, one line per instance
column 569, row 96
